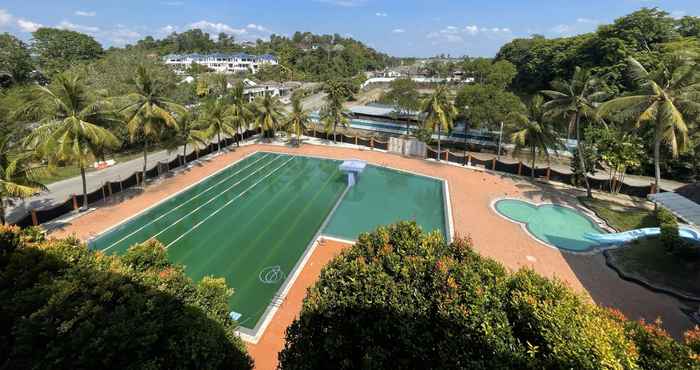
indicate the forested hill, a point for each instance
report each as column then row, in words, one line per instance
column 303, row 56
column 648, row 35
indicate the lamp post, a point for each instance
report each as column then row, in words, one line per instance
column 466, row 129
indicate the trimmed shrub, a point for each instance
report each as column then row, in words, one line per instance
column 66, row 307
column 404, row 299
column 669, row 229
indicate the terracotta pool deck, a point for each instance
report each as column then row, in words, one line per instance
column 471, row 194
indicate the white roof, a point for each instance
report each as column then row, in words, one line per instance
column 679, row 205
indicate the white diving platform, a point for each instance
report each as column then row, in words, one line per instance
column 353, row 168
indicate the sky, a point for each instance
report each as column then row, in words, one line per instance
column 398, row 27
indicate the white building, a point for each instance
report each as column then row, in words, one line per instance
column 220, row 62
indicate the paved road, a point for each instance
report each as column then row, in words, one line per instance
column 62, row 190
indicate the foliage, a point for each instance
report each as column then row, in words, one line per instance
column 18, row 174
column 439, row 113
column 15, row 62
column 81, row 309
column 486, row 105
column 297, row 120
column 58, row 49
column 489, row 72
column 409, row 300
column 532, row 131
column 618, row 150
column 267, row 113
column 333, row 113
column 669, row 230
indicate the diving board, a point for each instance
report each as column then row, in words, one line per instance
column 353, row 168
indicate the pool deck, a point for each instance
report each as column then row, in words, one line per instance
column 471, row 194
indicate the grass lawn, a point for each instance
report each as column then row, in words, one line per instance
column 646, row 259
column 620, row 217
column 650, row 261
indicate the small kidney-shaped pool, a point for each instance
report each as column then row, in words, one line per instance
column 558, row 226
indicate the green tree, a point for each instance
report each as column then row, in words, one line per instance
column 147, row 111
column 216, row 118
column 15, row 60
column 188, row 132
column 297, row 120
column 18, row 174
column 333, row 113
column 403, row 95
column 267, row 111
column 439, row 113
column 58, row 49
column 667, row 99
column 70, row 124
column 532, row 131
column 67, row 307
column 239, row 110
column 574, row 100
column 618, row 150
column 487, row 104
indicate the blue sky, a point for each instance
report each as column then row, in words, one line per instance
column 398, row 27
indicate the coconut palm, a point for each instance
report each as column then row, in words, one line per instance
column 332, row 115
column 148, row 111
column 439, row 114
column 70, row 124
column 187, row 133
column 533, row 131
column 268, row 115
column 668, row 99
column 18, row 175
column 297, row 120
column 574, row 100
column 216, row 119
column 239, row 110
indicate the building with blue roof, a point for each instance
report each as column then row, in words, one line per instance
column 220, row 62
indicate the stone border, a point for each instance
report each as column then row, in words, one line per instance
column 610, row 262
column 585, row 211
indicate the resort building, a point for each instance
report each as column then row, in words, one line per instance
column 220, row 62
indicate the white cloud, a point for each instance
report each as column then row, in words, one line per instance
column 381, row 14
column 78, row 27
column 166, row 30
column 678, row 14
column 28, row 26
column 454, row 34
column 587, row 20
column 218, row 27
column 257, row 27
column 83, row 13
column 5, row 17
column 398, row 30
column 172, row 3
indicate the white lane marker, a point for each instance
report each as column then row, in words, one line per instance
column 188, row 201
column 226, row 204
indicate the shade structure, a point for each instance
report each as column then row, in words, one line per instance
column 679, row 205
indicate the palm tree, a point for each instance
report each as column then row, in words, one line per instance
column 187, row 133
column 533, row 131
column 297, row 120
column 216, row 119
column 439, row 114
column 333, row 115
column 18, row 176
column 148, row 111
column 70, row 124
column 239, row 110
column 268, row 114
column 573, row 100
column 668, row 99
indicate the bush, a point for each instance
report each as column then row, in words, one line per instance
column 668, row 224
column 404, row 299
column 66, row 307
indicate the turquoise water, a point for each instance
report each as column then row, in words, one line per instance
column 559, row 226
column 383, row 196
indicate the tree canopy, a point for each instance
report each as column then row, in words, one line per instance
column 58, row 50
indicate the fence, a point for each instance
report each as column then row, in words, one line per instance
column 520, row 169
column 40, row 216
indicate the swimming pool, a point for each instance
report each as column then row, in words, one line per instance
column 254, row 221
column 558, row 226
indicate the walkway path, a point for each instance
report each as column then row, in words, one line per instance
column 471, row 195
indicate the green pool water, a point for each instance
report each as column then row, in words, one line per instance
column 383, row 196
column 555, row 225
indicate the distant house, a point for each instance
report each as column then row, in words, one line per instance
column 220, row 62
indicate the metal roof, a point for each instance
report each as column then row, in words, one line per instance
column 679, row 205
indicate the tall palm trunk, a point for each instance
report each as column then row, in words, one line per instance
column 145, row 162
column 466, row 131
column 439, row 135
column 218, row 145
column 657, row 167
column 184, row 154
column 85, row 197
column 532, row 168
column 581, row 155
column 335, row 125
column 2, row 211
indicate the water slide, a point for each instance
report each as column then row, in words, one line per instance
column 628, row 236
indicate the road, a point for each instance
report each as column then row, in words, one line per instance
column 61, row 190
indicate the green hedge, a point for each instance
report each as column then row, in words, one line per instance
column 65, row 307
column 401, row 298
